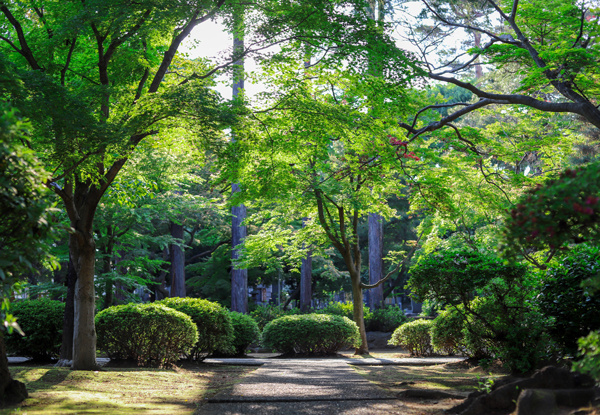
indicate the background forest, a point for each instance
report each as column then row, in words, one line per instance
column 450, row 145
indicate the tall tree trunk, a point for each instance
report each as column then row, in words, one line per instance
column 66, row 349
column 177, row 263
column 375, row 259
column 84, row 329
column 306, row 282
column 306, row 278
column 239, row 277
column 11, row 391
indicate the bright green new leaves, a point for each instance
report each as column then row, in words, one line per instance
column 26, row 225
column 564, row 33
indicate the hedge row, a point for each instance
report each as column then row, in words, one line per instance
column 158, row 334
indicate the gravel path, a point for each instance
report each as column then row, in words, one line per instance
column 307, row 387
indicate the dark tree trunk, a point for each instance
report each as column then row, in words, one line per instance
column 306, row 278
column 84, row 329
column 66, row 349
column 306, row 282
column 11, row 391
column 177, row 263
column 239, row 277
column 375, row 259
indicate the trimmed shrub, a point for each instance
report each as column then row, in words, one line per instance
column 245, row 332
column 42, row 322
column 414, row 337
column 387, row 319
column 150, row 334
column 454, row 332
column 215, row 331
column 447, row 332
column 315, row 334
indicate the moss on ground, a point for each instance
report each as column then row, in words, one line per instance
column 121, row 390
column 439, row 377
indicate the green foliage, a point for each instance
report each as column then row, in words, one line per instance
column 386, row 319
column 42, row 323
column 573, row 308
column 496, row 303
column 430, row 308
column 589, row 350
column 264, row 314
column 561, row 212
column 346, row 310
column 215, row 331
column 245, row 332
column 26, row 210
column 447, row 332
column 150, row 334
column 414, row 336
column 314, row 334
column 453, row 277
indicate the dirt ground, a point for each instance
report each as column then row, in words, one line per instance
column 430, row 389
column 121, row 390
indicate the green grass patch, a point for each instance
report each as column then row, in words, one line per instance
column 128, row 390
column 440, row 377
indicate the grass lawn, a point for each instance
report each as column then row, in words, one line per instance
column 121, row 390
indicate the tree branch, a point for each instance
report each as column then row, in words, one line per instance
column 170, row 53
column 400, row 264
column 25, row 51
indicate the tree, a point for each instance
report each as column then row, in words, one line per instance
column 239, row 277
column 25, row 230
column 550, row 44
column 320, row 153
column 111, row 81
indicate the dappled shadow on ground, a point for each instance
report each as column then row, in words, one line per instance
column 122, row 390
column 440, row 377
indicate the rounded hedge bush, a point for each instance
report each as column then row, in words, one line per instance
column 215, row 331
column 151, row 334
column 447, row 332
column 245, row 332
column 414, row 337
column 315, row 334
column 42, row 322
